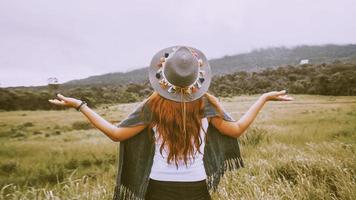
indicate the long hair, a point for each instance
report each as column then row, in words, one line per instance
column 168, row 117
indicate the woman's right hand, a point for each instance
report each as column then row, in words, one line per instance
column 277, row 96
column 66, row 101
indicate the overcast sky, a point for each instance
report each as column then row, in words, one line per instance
column 72, row 39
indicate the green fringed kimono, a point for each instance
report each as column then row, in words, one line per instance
column 221, row 153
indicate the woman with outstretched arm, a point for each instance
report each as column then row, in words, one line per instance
column 187, row 142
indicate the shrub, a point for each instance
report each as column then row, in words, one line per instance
column 98, row 162
column 53, row 173
column 56, row 133
column 9, row 167
column 27, row 124
column 37, row 133
column 343, row 133
column 18, row 134
column 72, row 164
column 85, row 163
column 254, row 136
column 81, row 126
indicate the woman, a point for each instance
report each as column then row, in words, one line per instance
column 179, row 142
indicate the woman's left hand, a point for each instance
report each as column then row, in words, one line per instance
column 66, row 101
column 277, row 96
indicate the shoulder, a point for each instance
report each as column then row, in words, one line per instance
column 212, row 106
column 214, row 109
column 212, row 97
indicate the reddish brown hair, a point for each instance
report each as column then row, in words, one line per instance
column 167, row 115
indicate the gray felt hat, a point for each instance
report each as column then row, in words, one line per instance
column 180, row 73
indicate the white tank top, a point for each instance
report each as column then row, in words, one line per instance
column 194, row 171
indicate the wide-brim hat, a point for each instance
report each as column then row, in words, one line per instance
column 180, row 73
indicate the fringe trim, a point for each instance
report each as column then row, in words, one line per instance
column 213, row 180
column 124, row 193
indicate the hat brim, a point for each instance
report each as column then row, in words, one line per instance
column 154, row 66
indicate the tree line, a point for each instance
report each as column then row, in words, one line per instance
column 336, row 78
column 324, row 79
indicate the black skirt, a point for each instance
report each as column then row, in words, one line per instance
column 170, row 190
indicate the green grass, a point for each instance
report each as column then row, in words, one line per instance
column 303, row 149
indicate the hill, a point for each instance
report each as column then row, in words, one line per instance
column 336, row 78
column 255, row 60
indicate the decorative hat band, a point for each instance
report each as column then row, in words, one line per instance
column 164, row 82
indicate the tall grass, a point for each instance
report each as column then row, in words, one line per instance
column 279, row 171
column 295, row 150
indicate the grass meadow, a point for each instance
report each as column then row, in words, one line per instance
column 303, row 149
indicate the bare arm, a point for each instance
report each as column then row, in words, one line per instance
column 113, row 132
column 110, row 130
column 235, row 129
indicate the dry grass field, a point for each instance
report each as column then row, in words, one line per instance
column 303, row 149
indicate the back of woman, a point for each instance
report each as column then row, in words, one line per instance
column 179, row 142
column 179, row 135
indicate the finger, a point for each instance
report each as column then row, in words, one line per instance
column 57, row 102
column 286, row 98
column 282, row 92
column 61, row 97
column 290, row 98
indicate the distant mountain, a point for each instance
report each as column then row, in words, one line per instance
column 116, row 78
column 255, row 60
